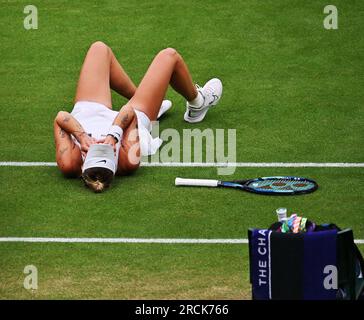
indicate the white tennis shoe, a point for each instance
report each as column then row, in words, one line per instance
column 211, row 93
column 165, row 106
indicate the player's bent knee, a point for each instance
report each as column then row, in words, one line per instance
column 99, row 46
column 169, row 53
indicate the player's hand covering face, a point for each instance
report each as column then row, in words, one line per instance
column 86, row 141
column 109, row 140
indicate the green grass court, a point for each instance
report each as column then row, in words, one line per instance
column 292, row 90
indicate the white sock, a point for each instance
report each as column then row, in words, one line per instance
column 198, row 101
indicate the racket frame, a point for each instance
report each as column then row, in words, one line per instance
column 243, row 185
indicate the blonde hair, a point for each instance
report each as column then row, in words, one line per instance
column 97, row 179
column 96, row 186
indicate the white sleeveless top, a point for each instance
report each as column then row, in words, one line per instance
column 96, row 119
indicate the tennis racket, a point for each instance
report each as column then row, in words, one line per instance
column 264, row 185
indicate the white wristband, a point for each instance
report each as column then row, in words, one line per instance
column 116, row 132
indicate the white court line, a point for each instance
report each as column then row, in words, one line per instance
column 212, row 164
column 133, row 240
column 256, row 164
column 125, row 240
column 27, row 164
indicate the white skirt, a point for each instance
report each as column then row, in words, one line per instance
column 96, row 119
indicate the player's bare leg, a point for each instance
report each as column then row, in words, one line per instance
column 100, row 72
column 167, row 68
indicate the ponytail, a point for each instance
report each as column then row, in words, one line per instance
column 97, row 179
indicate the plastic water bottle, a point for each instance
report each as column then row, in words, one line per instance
column 281, row 214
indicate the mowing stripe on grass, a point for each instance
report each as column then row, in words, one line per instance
column 134, row 240
column 212, row 164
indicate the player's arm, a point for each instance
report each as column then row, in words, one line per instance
column 71, row 126
column 120, row 124
column 125, row 117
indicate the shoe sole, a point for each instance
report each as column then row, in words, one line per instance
column 201, row 116
column 198, row 118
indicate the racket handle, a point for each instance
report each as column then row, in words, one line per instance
column 196, row 182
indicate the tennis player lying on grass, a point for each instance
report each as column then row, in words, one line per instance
column 95, row 142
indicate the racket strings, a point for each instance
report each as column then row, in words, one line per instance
column 282, row 184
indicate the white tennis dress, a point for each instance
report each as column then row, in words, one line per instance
column 96, row 119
